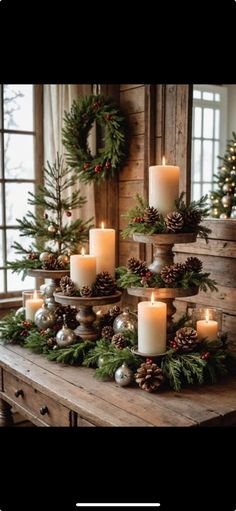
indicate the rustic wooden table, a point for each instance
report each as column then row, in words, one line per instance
column 51, row 394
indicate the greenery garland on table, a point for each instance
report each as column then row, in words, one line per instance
column 187, row 361
column 143, row 219
column 77, row 124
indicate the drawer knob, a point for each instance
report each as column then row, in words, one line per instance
column 19, row 392
column 43, row 410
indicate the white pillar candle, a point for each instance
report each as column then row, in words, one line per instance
column 102, row 244
column 207, row 328
column 82, row 269
column 32, row 305
column 163, row 187
column 152, row 327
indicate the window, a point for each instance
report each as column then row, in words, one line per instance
column 20, row 169
column 209, row 135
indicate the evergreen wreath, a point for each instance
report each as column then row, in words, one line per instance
column 77, row 124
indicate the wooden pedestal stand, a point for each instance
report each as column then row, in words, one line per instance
column 54, row 277
column 86, row 315
column 163, row 256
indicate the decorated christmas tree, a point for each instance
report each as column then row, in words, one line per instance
column 54, row 236
column 223, row 199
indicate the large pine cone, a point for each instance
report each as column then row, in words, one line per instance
column 137, row 266
column 86, row 291
column 149, row 377
column 50, row 262
column 171, row 274
column 193, row 264
column 186, row 339
column 104, row 285
column 151, row 215
column 192, row 218
column 174, row 221
column 107, row 332
column 119, row 341
column 67, row 286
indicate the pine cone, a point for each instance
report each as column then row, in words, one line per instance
column 32, row 256
column 50, row 262
column 192, row 218
column 105, row 320
column 51, row 342
column 137, row 266
column 67, row 286
column 86, row 291
column 193, row 264
column 104, row 285
column 107, row 332
column 149, row 377
column 114, row 311
column 151, row 215
column 186, row 339
column 170, row 274
column 119, row 341
column 174, row 221
column 70, row 319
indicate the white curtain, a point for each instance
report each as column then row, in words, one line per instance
column 58, row 99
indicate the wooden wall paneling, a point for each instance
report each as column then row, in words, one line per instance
column 183, row 128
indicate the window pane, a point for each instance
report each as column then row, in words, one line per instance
column 217, row 123
column 16, row 201
column 1, row 247
column 196, row 191
column 14, row 282
column 197, row 122
column 19, row 156
column 216, row 161
column 13, row 235
column 1, row 282
column 18, row 107
column 208, row 96
column 217, row 97
column 197, row 160
column 208, row 123
column 207, row 160
column 0, row 204
column 197, row 94
column 206, row 188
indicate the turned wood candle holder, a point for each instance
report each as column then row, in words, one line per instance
column 163, row 256
column 54, row 277
column 86, row 315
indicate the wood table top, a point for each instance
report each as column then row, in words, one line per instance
column 107, row 404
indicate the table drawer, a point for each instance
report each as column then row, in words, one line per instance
column 45, row 408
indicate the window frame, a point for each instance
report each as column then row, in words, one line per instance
column 38, row 159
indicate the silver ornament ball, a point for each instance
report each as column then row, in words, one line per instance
column 125, row 321
column 223, row 216
column 227, row 188
column 49, row 290
column 65, row 337
column 233, row 212
column 226, row 201
column 20, row 312
column 124, row 375
column 44, row 256
column 44, row 317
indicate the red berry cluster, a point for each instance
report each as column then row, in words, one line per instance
column 205, row 355
column 108, row 117
column 96, row 105
column 108, row 164
column 98, row 169
column 138, row 220
column 174, row 345
column 86, row 166
column 149, row 361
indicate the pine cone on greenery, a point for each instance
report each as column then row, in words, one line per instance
column 104, row 284
column 171, row 274
column 151, row 215
column 86, row 291
column 192, row 218
column 186, row 339
column 149, row 377
column 51, row 342
column 174, row 221
column 193, row 264
column 137, row 266
column 107, row 332
column 67, row 286
column 114, row 311
column 32, row 256
column 70, row 316
column 119, row 341
column 50, row 262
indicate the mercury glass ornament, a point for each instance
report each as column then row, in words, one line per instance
column 44, row 256
column 226, row 201
column 126, row 321
column 65, row 337
column 233, row 212
column 223, row 216
column 124, row 375
column 227, row 187
column 20, row 312
column 44, row 317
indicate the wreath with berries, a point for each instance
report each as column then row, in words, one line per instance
column 77, row 125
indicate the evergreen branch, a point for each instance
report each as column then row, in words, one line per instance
column 114, row 359
column 72, row 355
column 14, row 330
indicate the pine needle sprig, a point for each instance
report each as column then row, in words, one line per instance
column 73, row 355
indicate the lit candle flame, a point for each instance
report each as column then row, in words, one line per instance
column 102, row 225
column 35, row 294
column 82, row 251
column 207, row 315
column 152, row 298
column 163, row 160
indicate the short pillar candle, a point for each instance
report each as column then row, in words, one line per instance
column 82, row 269
column 33, row 302
column 163, row 187
column 207, row 328
column 152, row 327
column 102, row 244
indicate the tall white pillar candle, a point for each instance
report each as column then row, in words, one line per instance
column 152, row 327
column 163, row 187
column 83, row 270
column 32, row 305
column 102, row 244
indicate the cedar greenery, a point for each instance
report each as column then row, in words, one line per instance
column 77, row 125
column 137, row 223
column 52, row 208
